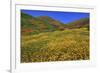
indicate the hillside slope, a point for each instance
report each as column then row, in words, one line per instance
column 35, row 25
column 81, row 23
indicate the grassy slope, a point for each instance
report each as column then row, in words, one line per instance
column 56, row 46
column 33, row 25
column 81, row 23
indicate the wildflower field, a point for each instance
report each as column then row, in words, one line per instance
column 64, row 45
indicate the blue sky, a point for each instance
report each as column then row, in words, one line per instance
column 64, row 17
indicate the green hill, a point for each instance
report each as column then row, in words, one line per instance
column 35, row 25
column 81, row 23
column 58, row 25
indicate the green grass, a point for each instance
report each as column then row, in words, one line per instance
column 55, row 46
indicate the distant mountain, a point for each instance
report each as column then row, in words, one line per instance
column 34, row 25
column 84, row 22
